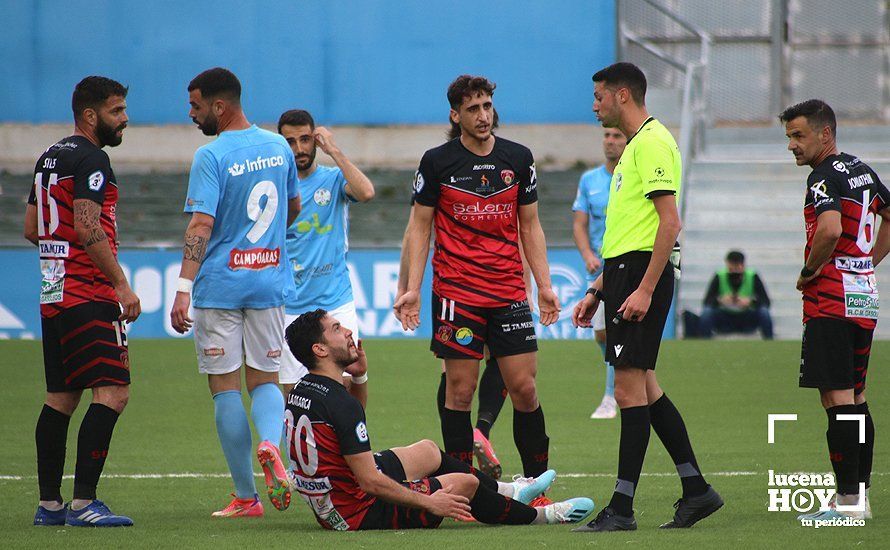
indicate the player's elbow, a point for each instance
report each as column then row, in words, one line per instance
column 370, row 485
column 366, row 194
column 31, row 235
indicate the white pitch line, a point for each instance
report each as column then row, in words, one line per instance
column 195, row 475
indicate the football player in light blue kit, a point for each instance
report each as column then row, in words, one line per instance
column 588, row 226
column 242, row 196
column 317, row 243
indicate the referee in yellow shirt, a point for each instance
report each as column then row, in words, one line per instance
column 637, row 285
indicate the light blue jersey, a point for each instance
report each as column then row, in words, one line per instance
column 244, row 179
column 317, row 244
column 592, row 199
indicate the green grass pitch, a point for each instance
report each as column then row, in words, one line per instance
column 724, row 389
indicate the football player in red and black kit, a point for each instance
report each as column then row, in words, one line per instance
column 85, row 302
column 349, row 488
column 844, row 197
column 481, row 191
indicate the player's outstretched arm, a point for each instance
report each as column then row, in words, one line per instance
column 637, row 304
column 402, row 284
column 531, row 238
column 882, row 241
column 95, row 243
column 31, row 233
column 417, row 250
column 197, row 235
column 374, row 482
column 358, row 185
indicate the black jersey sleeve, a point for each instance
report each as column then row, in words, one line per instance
column 824, row 190
column 528, row 193
column 883, row 193
column 348, row 419
column 91, row 176
column 426, row 182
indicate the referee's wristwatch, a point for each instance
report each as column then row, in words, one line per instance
column 597, row 293
column 806, row 272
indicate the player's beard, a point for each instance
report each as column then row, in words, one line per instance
column 304, row 161
column 344, row 357
column 108, row 135
column 210, row 126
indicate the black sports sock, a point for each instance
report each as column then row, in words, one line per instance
column 631, row 452
column 51, row 435
column 92, row 448
column 867, row 449
column 488, row 506
column 450, row 465
column 492, row 393
column 440, row 397
column 843, row 449
column 531, row 440
column 457, row 433
column 668, row 424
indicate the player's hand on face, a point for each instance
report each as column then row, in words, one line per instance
column 407, row 309
column 446, row 504
column 360, row 367
column 325, row 139
column 635, row 307
column 584, row 310
column 548, row 306
column 130, row 305
column 179, row 314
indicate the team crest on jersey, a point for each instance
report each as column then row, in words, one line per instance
column 361, row 432
column 322, row 197
column 444, row 333
column 96, row 180
column 418, row 182
column 507, row 176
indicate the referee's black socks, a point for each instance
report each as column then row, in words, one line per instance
column 93, row 441
column 457, row 434
column 843, row 448
column 51, row 435
column 867, row 449
column 531, row 441
column 671, row 430
column 631, row 452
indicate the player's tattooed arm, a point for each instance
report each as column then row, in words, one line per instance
column 86, row 222
column 195, row 248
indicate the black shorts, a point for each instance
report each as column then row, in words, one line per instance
column 385, row 515
column 631, row 343
column 85, row 347
column 834, row 355
column 461, row 331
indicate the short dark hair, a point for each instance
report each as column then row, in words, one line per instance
column 624, row 75
column 306, row 331
column 818, row 114
column 217, row 82
column 468, row 86
column 92, row 91
column 735, row 257
column 296, row 117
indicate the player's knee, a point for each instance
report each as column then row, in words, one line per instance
column 429, row 447
column 64, row 402
column 524, row 394
column 461, row 394
column 467, row 486
column 629, row 397
column 113, row 397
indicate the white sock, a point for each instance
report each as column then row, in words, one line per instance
column 505, row 489
column 541, row 518
column 51, row 505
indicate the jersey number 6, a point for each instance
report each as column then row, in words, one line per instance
column 865, row 238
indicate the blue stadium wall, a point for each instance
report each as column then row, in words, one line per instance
column 364, row 62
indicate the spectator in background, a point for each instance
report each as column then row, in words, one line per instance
column 736, row 301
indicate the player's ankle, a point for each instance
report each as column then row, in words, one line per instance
column 80, row 503
column 51, row 505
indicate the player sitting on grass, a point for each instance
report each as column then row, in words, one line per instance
column 350, row 488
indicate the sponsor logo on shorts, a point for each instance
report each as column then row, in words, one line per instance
column 509, row 327
column 618, row 349
column 444, row 333
column 464, row 336
column 214, row 352
column 53, row 249
column 419, row 486
column 316, row 486
column 254, row 258
column 507, row 176
column 273, row 353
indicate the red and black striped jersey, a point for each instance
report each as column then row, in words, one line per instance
column 324, row 423
column 73, row 168
column 476, row 259
column 846, row 287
